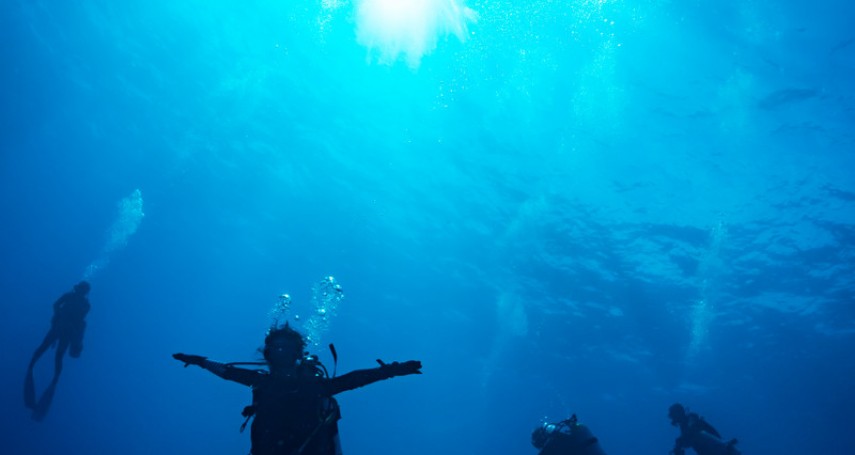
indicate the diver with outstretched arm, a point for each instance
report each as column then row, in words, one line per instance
column 293, row 404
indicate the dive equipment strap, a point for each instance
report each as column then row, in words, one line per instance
column 327, row 420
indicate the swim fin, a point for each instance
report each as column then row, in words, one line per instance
column 29, row 390
column 44, row 403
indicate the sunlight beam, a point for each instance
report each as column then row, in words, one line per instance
column 409, row 29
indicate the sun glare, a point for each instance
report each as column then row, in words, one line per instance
column 409, row 29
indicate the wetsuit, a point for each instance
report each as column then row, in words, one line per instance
column 295, row 414
column 66, row 334
column 67, row 328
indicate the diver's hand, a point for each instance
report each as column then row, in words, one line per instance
column 401, row 368
column 189, row 359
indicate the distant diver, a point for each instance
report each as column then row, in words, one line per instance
column 293, row 406
column 697, row 434
column 66, row 334
column 568, row 437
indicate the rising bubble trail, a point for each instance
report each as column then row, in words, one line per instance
column 326, row 295
column 128, row 219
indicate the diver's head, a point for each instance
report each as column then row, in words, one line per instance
column 540, row 436
column 677, row 414
column 283, row 346
column 82, row 288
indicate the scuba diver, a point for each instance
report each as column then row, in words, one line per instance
column 65, row 334
column 696, row 433
column 293, row 406
column 568, row 437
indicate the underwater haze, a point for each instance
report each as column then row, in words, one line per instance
column 599, row 207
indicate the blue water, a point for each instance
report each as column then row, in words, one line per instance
column 597, row 207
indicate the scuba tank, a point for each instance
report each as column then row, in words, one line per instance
column 309, row 366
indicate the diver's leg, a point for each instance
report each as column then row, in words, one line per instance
column 29, row 389
column 76, row 341
column 50, row 338
column 60, row 353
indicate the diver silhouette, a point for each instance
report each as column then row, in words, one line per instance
column 696, row 433
column 65, row 334
column 567, row 437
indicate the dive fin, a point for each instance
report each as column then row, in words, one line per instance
column 29, row 390
column 43, row 406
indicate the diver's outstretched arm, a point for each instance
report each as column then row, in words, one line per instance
column 228, row 372
column 361, row 378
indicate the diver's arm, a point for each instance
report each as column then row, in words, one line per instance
column 59, row 302
column 682, row 441
column 231, row 373
column 703, row 425
column 697, row 424
column 225, row 371
column 361, row 378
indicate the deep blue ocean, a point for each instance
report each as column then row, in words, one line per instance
column 598, row 207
